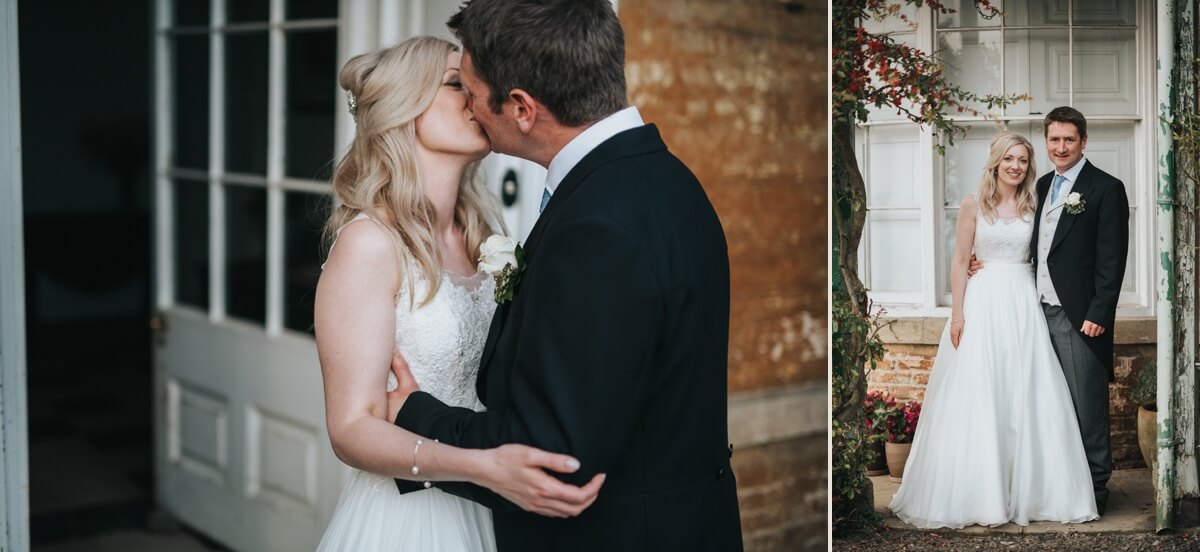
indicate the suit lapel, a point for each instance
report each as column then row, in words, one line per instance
column 635, row 141
column 1043, row 188
column 1065, row 219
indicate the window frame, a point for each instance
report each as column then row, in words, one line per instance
column 933, row 299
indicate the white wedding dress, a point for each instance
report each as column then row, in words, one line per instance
column 442, row 342
column 997, row 440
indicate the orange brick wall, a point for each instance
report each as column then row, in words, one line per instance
column 738, row 90
column 905, row 371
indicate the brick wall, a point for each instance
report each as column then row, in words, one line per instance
column 738, row 90
column 905, row 369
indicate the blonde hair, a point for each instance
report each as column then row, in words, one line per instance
column 390, row 88
column 989, row 191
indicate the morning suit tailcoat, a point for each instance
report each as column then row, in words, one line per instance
column 1087, row 255
column 613, row 350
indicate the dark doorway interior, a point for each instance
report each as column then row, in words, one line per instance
column 86, row 125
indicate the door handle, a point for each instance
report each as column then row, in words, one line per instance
column 159, row 326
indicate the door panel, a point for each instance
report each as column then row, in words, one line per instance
column 242, row 454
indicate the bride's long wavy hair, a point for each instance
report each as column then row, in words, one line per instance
column 388, row 89
column 989, row 188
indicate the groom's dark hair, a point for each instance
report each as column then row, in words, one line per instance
column 567, row 54
column 1065, row 114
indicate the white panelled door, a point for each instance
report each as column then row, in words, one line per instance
column 249, row 120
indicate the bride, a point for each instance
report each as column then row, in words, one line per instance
column 400, row 278
column 998, row 441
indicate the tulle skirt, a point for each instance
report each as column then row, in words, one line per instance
column 998, row 439
column 372, row 516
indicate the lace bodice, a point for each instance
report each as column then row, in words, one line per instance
column 1004, row 241
column 443, row 339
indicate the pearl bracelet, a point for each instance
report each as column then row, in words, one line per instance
column 415, row 469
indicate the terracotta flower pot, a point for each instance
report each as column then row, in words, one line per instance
column 878, row 464
column 1148, row 436
column 897, row 456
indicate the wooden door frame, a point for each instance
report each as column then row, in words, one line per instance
column 14, row 456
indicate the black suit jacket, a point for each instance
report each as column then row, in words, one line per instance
column 614, row 350
column 1087, row 254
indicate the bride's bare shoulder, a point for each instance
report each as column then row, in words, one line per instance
column 362, row 244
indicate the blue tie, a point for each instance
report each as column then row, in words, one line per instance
column 545, row 199
column 1058, row 180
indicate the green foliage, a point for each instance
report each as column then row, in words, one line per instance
column 852, row 451
column 857, row 348
column 1145, row 385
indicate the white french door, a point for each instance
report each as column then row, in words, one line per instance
column 249, row 120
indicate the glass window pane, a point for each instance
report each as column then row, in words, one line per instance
column 903, row 22
column 967, row 14
column 246, row 11
column 192, row 12
column 962, row 166
column 972, row 61
column 1130, row 283
column 1105, row 72
column 191, row 243
column 949, row 239
column 892, row 172
column 312, row 9
column 304, row 216
column 246, row 103
column 1019, row 13
column 1035, row 63
column 895, row 250
column 246, row 253
column 311, row 100
column 191, row 68
column 1104, row 12
column 1111, row 146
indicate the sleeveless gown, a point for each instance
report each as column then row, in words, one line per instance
column 997, row 440
column 442, row 342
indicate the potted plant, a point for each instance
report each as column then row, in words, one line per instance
column 900, row 426
column 875, row 409
column 1144, row 394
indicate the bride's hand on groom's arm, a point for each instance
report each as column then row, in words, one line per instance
column 515, row 472
column 518, row 473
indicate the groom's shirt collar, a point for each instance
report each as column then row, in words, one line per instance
column 1072, row 173
column 593, row 136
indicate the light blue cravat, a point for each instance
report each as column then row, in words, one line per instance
column 545, row 199
column 1058, row 180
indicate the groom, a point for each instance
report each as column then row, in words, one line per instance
column 613, row 348
column 1080, row 238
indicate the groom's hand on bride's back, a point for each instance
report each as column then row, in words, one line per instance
column 407, row 385
column 974, row 266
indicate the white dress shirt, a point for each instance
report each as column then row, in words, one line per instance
column 1051, row 214
column 581, row 145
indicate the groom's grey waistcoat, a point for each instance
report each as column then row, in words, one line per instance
column 1086, row 257
column 613, row 349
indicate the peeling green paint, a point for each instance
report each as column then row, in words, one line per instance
column 1168, row 268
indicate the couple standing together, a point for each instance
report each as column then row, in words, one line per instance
column 1015, row 422
column 600, row 353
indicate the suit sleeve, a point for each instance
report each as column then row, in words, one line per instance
column 592, row 319
column 1112, row 246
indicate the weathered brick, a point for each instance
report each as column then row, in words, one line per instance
column 738, row 91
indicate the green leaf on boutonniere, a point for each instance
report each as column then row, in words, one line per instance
column 509, row 277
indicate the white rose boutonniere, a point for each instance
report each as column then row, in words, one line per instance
column 504, row 259
column 1074, row 203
